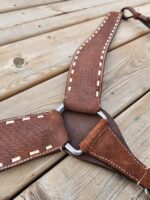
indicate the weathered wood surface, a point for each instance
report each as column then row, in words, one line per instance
column 32, row 14
column 12, row 5
column 73, row 179
column 40, row 61
column 23, row 24
column 40, row 55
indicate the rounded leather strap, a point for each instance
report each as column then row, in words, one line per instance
column 84, row 86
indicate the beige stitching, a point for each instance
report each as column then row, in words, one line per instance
column 25, row 118
column 31, row 153
column 99, row 72
column 126, row 148
column 30, row 158
column 15, row 159
column 98, row 83
column 97, row 93
column 100, row 64
column 69, row 88
column 49, row 147
column 103, row 51
column 107, row 44
column 40, row 116
column 10, row 122
column 109, row 161
column 142, row 176
column 78, row 51
column 114, row 164
column 1, row 165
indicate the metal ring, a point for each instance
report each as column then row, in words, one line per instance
column 147, row 192
column 68, row 147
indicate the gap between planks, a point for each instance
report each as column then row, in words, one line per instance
column 15, row 7
column 56, row 21
column 132, row 33
column 33, row 14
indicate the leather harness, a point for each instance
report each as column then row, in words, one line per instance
column 79, row 126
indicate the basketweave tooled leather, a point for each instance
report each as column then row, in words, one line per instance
column 28, row 137
column 84, row 84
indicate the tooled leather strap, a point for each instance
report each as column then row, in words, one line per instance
column 84, row 84
column 29, row 137
column 104, row 144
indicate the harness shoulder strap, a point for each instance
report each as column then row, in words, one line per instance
column 84, row 85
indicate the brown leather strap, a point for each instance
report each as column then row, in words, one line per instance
column 136, row 15
column 28, row 137
column 84, row 84
column 104, row 144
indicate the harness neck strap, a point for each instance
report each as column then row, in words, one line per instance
column 84, row 85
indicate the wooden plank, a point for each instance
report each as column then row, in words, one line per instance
column 80, row 180
column 40, row 60
column 117, row 95
column 11, row 5
column 33, row 14
column 27, row 23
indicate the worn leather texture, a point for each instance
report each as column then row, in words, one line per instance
column 79, row 125
column 84, row 86
column 28, row 137
column 104, row 144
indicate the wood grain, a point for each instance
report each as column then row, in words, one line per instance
column 12, row 5
column 40, row 60
column 130, row 69
column 73, row 179
column 30, row 22
column 24, row 16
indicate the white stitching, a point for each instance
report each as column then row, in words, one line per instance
column 24, row 118
column 109, row 161
column 143, row 176
column 107, row 44
column 12, row 120
column 97, row 93
column 30, row 158
column 1, row 165
column 40, row 116
column 78, row 51
column 31, row 153
column 49, row 147
column 102, row 53
column 15, row 159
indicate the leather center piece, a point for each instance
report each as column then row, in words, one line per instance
column 78, row 125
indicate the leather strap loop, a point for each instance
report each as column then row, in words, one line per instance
column 136, row 15
column 84, row 86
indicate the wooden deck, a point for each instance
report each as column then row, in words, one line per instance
column 37, row 41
